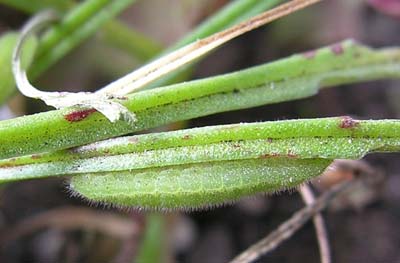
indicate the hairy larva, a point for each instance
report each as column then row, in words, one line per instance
column 196, row 186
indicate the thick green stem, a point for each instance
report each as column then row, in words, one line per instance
column 329, row 138
column 292, row 78
column 32, row 6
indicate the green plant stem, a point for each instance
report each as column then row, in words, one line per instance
column 152, row 247
column 7, row 43
column 133, row 43
column 292, row 78
column 299, row 139
column 33, row 6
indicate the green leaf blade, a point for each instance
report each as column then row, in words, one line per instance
column 196, row 186
column 7, row 43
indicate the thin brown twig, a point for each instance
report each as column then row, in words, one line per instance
column 289, row 227
column 319, row 224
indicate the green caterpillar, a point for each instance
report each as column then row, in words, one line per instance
column 198, row 185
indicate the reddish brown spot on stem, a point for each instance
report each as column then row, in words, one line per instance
column 78, row 115
column 291, row 155
column 266, row 156
column 337, row 49
column 186, row 137
column 348, row 123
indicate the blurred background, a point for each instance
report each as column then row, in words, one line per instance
column 40, row 222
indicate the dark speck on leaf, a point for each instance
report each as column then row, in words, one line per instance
column 36, row 156
column 348, row 123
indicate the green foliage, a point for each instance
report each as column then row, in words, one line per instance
column 152, row 247
column 207, row 166
column 298, row 76
column 7, row 43
column 198, row 167
column 76, row 25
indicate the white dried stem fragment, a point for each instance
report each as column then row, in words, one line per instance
column 101, row 102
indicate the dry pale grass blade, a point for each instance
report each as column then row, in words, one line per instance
column 289, row 227
column 166, row 64
column 319, row 224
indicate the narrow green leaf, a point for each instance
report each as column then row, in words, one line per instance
column 32, row 6
column 124, row 38
column 152, row 246
column 7, row 43
column 114, row 32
